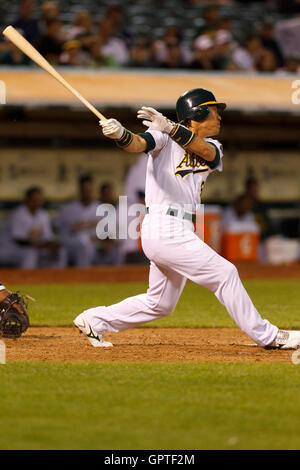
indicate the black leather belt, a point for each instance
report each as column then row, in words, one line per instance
column 174, row 212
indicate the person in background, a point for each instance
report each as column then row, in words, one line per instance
column 266, row 62
column 49, row 12
column 82, row 26
column 267, row 37
column 203, row 53
column 111, row 44
column 108, row 248
column 107, row 194
column 28, row 240
column 171, row 37
column 223, row 46
column 174, row 58
column 141, row 53
column 245, row 56
column 212, row 20
column 241, row 212
column 130, row 249
column 11, row 55
column 27, row 23
column 115, row 15
column 96, row 56
column 73, row 54
column 291, row 65
column 51, row 42
column 76, row 224
column 258, row 208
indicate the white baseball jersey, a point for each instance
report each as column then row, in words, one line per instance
column 174, row 176
column 22, row 222
column 74, row 212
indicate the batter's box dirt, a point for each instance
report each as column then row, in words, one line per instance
column 142, row 345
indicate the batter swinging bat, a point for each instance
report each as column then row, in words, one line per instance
column 12, row 34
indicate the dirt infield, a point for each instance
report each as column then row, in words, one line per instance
column 142, row 345
column 131, row 273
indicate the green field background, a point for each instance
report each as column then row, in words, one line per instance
column 84, row 405
column 278, row 301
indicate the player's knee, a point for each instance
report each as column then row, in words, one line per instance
column 163, row 310
column 162, row 307
column 229, row 270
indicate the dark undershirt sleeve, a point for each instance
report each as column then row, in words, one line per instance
column 149, row 141
column 214, row 163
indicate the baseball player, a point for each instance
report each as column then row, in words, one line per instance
column 180, row 158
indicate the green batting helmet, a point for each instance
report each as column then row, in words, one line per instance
column 194, row 104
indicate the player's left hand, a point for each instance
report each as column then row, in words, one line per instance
column 112, row 128
column 155, row 120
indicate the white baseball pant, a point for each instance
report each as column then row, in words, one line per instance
column 177, row 254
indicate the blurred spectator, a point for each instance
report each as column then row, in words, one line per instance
column 141, row 53
column 115, row 15
column 225, row 25
column 174, row 58
column 112, row 45
column 77, row 223
column 291, row 65
column 258, row 208
column 96, row 56
column 245, row 58
column 73, row 54
column 130, row 249
column 27, row 23
column 266, row 62
column 287, row 33
column 82, row 26
column 267, row 37
column 108, row 248
column 203, row 53
column 240, row 212
column 28, row 240
column 212, row 20
column 50, row 45
column 49, row 12
column 107, row 194
column 11, row 55
column 223, row 46
column 172, row 36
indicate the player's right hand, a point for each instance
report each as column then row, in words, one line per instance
column 112, row 128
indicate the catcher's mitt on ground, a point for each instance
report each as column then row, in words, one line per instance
column 14, row 318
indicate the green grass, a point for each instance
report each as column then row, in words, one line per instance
column 149, row 406
column 278, row 301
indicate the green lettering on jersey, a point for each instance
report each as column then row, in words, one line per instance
column 191, row 164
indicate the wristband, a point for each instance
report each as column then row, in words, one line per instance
column 125, row 140
column 182, row 135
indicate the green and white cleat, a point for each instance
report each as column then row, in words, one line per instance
column 96, row 339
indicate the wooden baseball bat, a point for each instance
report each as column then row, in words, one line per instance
column 12, row 34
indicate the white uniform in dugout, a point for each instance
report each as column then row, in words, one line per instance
column 175, row 178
